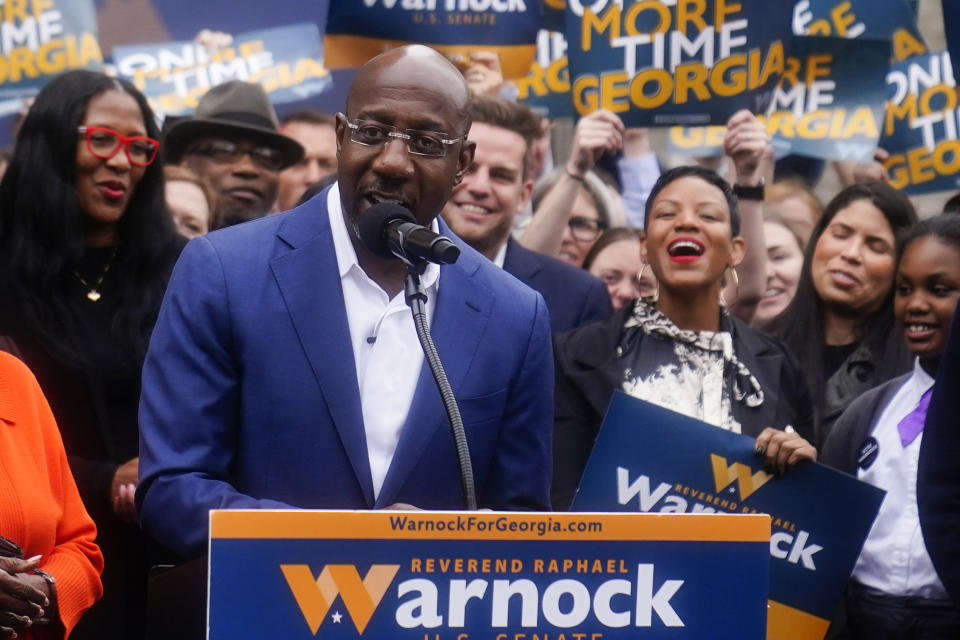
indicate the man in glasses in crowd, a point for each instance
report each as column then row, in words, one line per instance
column 285, row 371
column 232, row 142
column 498, row 185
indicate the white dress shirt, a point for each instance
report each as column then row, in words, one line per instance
column 386, row 350
column 501, row 256
column 894, row 558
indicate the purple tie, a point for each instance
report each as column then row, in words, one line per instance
column 911, row 426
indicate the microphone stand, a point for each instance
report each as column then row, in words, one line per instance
column 416, row 299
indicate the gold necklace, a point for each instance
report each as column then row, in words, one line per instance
column 93, row 295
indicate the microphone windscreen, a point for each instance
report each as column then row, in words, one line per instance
column 374, row 223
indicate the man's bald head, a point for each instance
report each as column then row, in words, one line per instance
column 414, row 66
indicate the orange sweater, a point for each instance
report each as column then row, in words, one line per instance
column 40, row 508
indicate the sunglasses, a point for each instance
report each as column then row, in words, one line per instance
column 104, row 143
column 228, row 151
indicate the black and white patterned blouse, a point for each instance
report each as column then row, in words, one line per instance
column 695, row 373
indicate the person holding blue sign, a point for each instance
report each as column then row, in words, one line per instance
column 681, row 349
column 895, row 591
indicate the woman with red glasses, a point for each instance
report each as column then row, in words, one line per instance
column 86, row 248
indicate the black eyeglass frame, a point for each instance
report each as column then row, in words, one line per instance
column 583, row 230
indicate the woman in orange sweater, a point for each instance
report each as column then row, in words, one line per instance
column 41, row 514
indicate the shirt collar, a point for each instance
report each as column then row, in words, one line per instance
column 921, row 379
column 501, row 255
column 343, row 247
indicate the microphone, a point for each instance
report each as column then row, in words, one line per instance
column 388, row 230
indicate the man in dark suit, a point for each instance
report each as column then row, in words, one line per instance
column 284, row 370
column 496, row 186
column 938, row 473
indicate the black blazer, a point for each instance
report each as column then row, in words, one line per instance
column 573, row 296
column 938, row 474
column 858, row 421
column 588, row 373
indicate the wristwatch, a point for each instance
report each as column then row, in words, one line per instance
column 744, row 192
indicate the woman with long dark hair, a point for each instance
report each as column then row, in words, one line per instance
column 86, row 248
column 840, row 323
column 681, row 349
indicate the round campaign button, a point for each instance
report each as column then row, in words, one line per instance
column 868, row 453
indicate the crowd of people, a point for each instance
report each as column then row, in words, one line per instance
column 272, row 362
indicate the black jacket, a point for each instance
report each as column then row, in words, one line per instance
column 574, row 297
column 858, row 421
column 588, row 372
column 938, row 473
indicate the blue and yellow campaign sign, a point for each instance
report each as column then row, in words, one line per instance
column 420, row 575
column 358, row 30
column 662, row 63
column 652, row 460
column 287, row 61
column 830, row 101
column 872, row 19
column 553, row 14
column 42, row 38
column 920, row 127
column 546, row 88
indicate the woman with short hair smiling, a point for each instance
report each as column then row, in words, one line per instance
column 681, row 349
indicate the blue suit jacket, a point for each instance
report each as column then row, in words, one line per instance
column 250, row 395
column 573, row 296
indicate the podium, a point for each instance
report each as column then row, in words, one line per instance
column 427, row 575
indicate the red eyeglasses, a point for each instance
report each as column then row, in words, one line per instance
column 105, row 143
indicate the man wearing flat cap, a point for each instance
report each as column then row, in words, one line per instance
column 232, row 142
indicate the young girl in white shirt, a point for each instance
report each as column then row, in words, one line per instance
column 895, row 591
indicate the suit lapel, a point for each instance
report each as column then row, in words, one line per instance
column 462, row 313
column 518, row 262
column 765, row 364
column 309, row 282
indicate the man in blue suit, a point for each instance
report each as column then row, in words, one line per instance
column 496, row 186
column 284, row 370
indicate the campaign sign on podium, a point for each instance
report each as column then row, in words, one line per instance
column 653, row 460
column 420, row 575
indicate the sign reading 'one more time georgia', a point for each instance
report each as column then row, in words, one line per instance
column 286, row 61
column 344, row 575
column 43, row 38
column 660, row 64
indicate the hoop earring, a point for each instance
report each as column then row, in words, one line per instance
column 736, row 286
column 656, row 294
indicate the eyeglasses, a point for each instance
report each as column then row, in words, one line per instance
column 104, row 143
column 420, row 143
column 585, row 229
column 229, row 151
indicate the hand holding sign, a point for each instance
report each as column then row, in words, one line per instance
column 482, row 72
column 783, row 450
column 873, row 171
column 598, row 133
column 748, row 145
